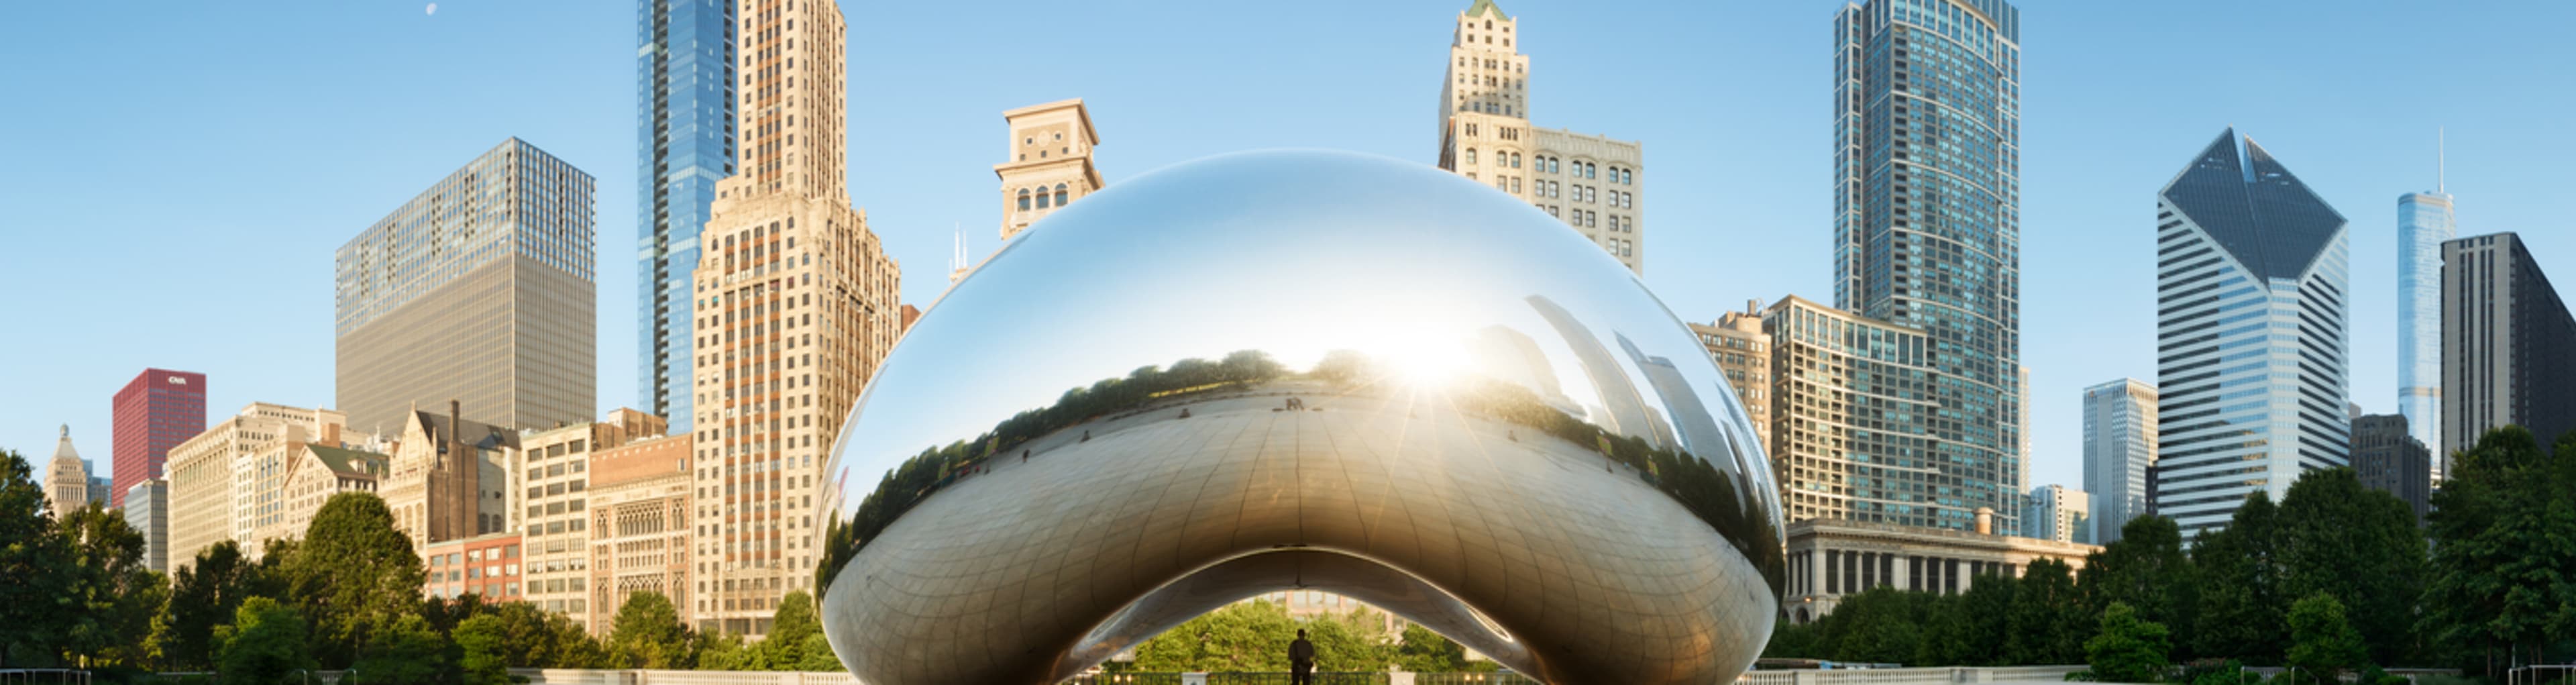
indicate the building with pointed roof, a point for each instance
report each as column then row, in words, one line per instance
column 2251, row 282
column 449, row 478
column 1589, row 181
column 66, row 477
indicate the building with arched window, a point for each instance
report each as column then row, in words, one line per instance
column 1050, row 158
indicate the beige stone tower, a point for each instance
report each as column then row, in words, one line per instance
column 1588, row 181
column 1050, row 162
column 796, row 303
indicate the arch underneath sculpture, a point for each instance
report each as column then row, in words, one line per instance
column 1296, row 568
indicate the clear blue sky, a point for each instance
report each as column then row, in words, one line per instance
column 177, row 174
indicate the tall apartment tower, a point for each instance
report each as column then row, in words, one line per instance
column 1588, row 181
column 1857, row 392
column 2252, row 349
column 796, row 305
column 2505, row 336
column 684, row 136
column 2424, row 221
column 2119, row 453
column 156, row 411
column 480, row 289
column 1927, row 225
column 1050, row 162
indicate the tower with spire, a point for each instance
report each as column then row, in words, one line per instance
column 66, row 477
column 2424, row 221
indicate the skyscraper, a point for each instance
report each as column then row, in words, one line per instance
column 1927, row 226
column 2424, row 220
column 1743, row 352
column 1588, row 181
column 2119, row 453
column 796, row 303
column 2505, row 336
column 684, row 88
column 2251, row 279
column 156, row 411
column 1050, row 162
column 479, row 290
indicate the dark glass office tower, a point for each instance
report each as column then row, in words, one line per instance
column 2505, row 336
column 684, row 137
column 2251, row 341
column 1927, row 234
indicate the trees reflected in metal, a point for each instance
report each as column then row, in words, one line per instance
column 1299, row 370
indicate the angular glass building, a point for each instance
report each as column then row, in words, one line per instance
column 683, row 145
column 2424, row 220
column 1927, row 234
column 2251, row 351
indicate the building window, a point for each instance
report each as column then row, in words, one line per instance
column 1059, row 195
column 1024, row 199
column 1471, row 155
column 1042, row 201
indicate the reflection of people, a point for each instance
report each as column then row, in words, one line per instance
column 1024, row 456
column 1301, row 660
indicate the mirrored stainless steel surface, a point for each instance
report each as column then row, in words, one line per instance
column 1299, row 370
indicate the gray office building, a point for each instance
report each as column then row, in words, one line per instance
column 2251, row 342
column 2119, row 452
column 2389, row 459
column 479, row 290
column 2505, row 342
column 147, row 511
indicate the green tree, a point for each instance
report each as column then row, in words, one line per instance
column 1350, row 641
column 203, row 595
column 2322, row 644
column 405, row 650
column 2503, row 575
column 116, row 594
column 2129, row 648
column 2360, row 545
column 482, row 646
column 819, row 655
column 1425, row 651
column 722, row 651
column 352, row 574
column 1243, row 636
column 647, row 633
column 2145, row 569
column 784, row 648
column 37, row 599
column 2047, row 616
column 2240, row 601
column 1985, row 612
column 575, row 647
column 264, row 643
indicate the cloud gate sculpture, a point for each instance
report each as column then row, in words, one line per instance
column 1299, row 370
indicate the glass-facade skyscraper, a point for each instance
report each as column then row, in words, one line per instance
column 2119, row 452
column 684, row 116
column 1927, row 234
column 2424, row 220
column 2251, row 290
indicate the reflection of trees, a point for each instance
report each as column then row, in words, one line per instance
column 1707, row 491
column 937, row 466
